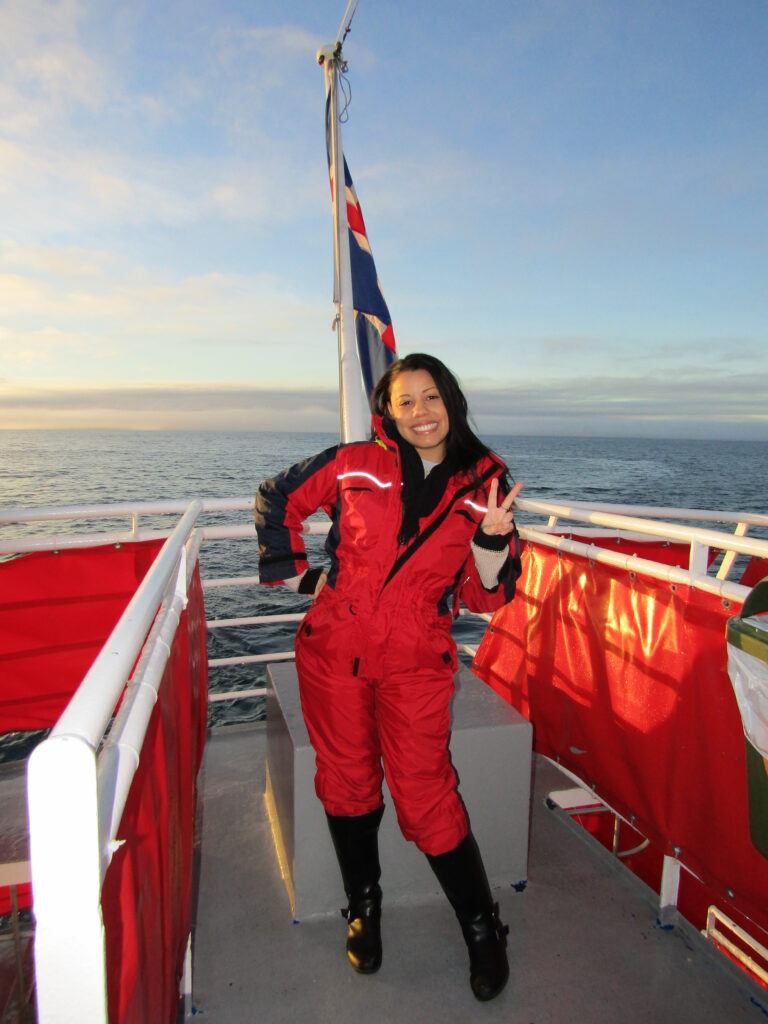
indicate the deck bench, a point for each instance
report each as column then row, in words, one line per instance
column 491, row 751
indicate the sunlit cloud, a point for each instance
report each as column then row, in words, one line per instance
column 139, row 326
column 63, row 262
column 162, row 408
column 599, row 406
column 88, row 189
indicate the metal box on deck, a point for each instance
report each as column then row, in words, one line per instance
column 748, row 669
column 491, row 751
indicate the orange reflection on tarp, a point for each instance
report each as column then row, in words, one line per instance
column 625, row 681
column 640, row 642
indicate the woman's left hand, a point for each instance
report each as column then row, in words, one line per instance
column 499, row 519
column 320, row 584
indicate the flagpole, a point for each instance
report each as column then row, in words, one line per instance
column 354, row 413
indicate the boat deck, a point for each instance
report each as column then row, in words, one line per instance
column 584, row 945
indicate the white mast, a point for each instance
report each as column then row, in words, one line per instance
column 354, row 413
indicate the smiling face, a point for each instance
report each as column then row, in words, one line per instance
column 416, row 406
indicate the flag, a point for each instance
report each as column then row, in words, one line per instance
column 373, row 324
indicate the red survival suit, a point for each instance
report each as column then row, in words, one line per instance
column 374, row 654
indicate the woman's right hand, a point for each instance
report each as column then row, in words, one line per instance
column 499, row 519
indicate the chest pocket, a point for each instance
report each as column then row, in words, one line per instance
column 364, row 503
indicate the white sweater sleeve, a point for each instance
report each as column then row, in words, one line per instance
column 489, row 564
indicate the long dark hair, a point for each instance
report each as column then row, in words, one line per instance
column 463, row 447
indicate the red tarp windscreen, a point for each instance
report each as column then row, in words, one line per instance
column 147, row 893
column 756, row 570
column 56, row 611
column 626, row 683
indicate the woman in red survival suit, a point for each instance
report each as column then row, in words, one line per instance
column 417, row 521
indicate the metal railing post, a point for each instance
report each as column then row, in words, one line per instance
column 698, row 560
column 670, row 887
column 70, row 958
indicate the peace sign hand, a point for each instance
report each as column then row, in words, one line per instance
column 499, row 519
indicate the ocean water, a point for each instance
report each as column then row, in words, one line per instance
column 93, row 467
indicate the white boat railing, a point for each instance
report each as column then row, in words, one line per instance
column 118, row 510
column 78, row 783
column 661, row 523
column 629, row 520
column 78, row 780
column 580, row 511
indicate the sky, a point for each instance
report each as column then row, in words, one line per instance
column 566, row 201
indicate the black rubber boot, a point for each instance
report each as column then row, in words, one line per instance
column 461, row 874
column 356, row 841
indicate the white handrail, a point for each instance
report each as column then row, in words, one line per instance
column 254, row 620
column 598, row 519
column 634, row 520
column 581, row 512
column 632, row 563
column 119, row 757
column 663, row 512
column 67, row 541
column 76, row 799
column 633, row 517
column 70, row 541
column 46, row 513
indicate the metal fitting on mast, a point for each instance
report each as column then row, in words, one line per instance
column 329, row 52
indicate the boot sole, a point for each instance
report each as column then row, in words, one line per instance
column 365, row 968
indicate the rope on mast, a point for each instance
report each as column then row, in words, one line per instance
column 346, row 91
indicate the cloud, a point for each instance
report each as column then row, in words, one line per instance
column 697, row 404
column 280, row 41
column 80, row 187
column 599, row 406
column 170, row 408
column 73, row 315
column 61, row 261
column 84, row 149
column 189, row 151
column 577, row 345
column 44, row 68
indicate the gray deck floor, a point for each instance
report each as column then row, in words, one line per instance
column 584, row 945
